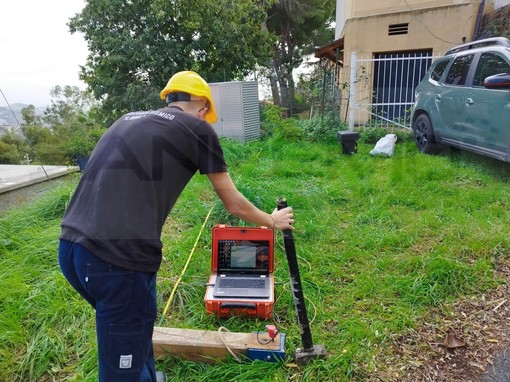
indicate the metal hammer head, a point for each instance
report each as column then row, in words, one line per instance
column 305, row 356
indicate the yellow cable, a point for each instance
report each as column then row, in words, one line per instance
column 186, row 265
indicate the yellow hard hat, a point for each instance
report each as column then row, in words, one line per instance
column 191, row 83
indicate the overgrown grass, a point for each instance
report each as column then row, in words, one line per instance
column 380, row 241
column 46, row 329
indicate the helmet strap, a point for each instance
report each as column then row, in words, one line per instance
column 178, row 97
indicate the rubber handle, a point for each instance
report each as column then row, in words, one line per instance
column 281, row 203
column 233, row 305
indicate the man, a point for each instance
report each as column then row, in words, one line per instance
column 110, row 246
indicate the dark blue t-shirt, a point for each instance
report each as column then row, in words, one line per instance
column 132, row 180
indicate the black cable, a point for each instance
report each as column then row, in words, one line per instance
column 263, row 343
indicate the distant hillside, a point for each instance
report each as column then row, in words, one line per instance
column 7, row 118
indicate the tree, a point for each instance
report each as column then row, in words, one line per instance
column 300, row 26
column 8, row 153
column 12, row 148
column 35, row 134
column 29, row 115
column 67, row 129
column 33, row 131
column 68, row 103
column 73, row 118
column 135, row 46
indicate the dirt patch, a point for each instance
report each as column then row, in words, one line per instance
column 458, row 343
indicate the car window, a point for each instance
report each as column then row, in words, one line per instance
column 459, row 70
column 489, row 64
column 438, row 70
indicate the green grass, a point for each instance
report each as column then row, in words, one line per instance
column 380, row 242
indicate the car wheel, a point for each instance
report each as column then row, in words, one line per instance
column 424, row 135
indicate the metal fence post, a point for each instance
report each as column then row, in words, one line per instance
column 352, row 88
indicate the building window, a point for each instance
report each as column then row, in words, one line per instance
column 395, row 29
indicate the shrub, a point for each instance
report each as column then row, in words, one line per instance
column 322, row 129
column 274, row 125
column 270, row 117
column 82, row 143
column 373, row 133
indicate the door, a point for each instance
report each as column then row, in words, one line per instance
column 450, row 98
column 487, row 111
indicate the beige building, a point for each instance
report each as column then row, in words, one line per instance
column 395, row 29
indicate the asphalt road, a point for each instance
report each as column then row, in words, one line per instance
column 500, row 370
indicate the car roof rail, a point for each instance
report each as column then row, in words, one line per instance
column 501, row 41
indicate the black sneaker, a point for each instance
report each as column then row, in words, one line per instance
column 160, row 376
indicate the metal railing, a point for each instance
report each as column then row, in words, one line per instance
column 381, row 89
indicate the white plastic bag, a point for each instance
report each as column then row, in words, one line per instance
column 385, row 145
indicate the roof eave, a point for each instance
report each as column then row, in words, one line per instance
column 333, row 51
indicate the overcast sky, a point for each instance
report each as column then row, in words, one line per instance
column 37, row 51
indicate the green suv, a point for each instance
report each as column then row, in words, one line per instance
column 464, row 100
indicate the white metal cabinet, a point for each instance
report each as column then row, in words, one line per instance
column 237, row 106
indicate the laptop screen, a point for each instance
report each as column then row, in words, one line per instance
column 243, row 256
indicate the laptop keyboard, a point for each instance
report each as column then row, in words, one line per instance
column 242, row 283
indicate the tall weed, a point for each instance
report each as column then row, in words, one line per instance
column 322, row 129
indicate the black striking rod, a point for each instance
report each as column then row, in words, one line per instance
column 297, row 289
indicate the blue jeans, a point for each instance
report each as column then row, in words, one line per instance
column 125, row 304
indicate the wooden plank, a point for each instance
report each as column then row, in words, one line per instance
column 206, row 345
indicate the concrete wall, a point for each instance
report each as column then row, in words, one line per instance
column 438, row 29
column 363, row 8
column 22, row 183
column 339, row 18
column 433, row 24
column 20, row 196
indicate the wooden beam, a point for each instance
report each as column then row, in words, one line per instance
column 332, row 51
column 208, row 346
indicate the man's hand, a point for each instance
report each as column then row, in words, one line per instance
column 238, row 205
column 283, row 219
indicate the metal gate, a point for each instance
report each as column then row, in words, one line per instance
column 381, row 90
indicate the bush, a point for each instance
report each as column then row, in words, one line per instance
column 274, row 125
column 9, row 153
column 372, row 134
column 288, row 130
column 322, row 129
column 270, row 117
column 83, row 143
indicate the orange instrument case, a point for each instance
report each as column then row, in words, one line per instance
column 225, row 306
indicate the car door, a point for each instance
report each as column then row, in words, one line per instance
column 450, row 98
column 487, row 111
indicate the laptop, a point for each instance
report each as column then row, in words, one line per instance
column 243, row 264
